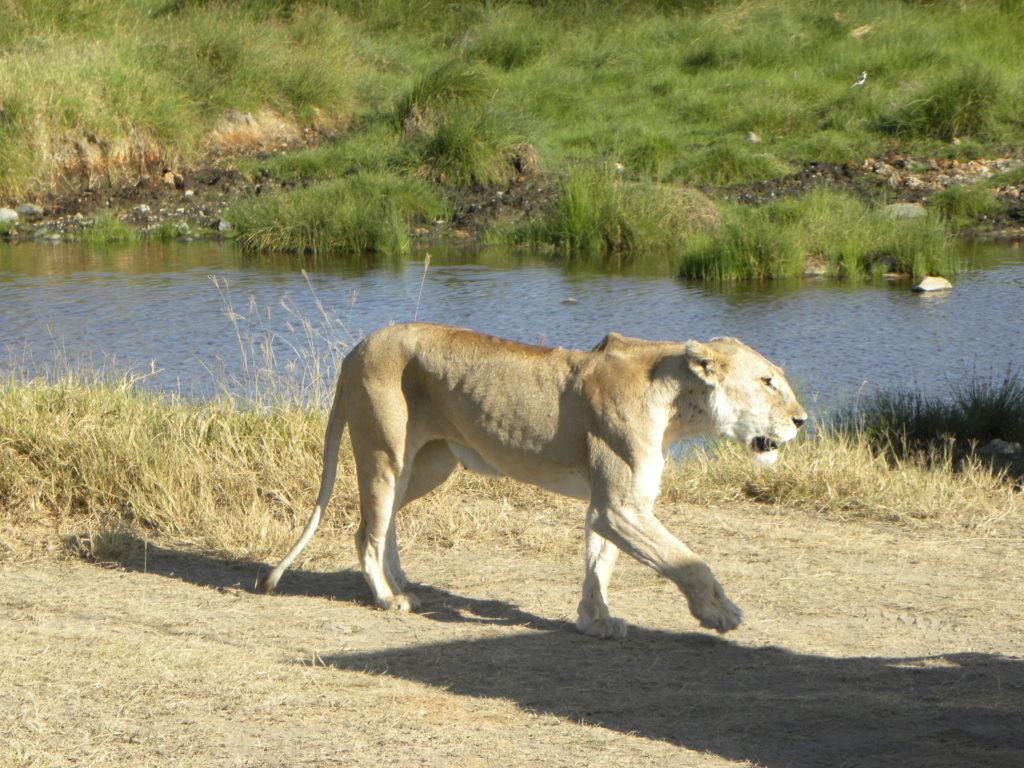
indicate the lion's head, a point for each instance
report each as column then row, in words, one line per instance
column 750, row 399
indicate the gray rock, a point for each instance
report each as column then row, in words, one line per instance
column 8, row 216
column 223, row 225
column 815, row 268
column 142, row 208
column 27, row 209
column 905, row 211
column 932, row 283
column 999, row 447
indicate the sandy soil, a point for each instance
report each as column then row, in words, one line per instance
column 864, row 645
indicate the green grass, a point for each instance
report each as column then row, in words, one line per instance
column 839, row 233
column 460, row 148
column 603, row 219
column 965, row 205
column 92, row 91
column 355, row 214
column 107, row 229
column 167, row 231
column 962, row 104
column 669, row 91
column 143, row 83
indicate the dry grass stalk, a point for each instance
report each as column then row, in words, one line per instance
column 240, row 132
column 842, row 476
column 105, row 462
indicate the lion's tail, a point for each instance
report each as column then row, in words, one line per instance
column 332, row 445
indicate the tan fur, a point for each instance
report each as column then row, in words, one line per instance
column 420, row 398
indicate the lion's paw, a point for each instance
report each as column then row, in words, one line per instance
column 403, row 602
column 717, row 611
column 607, row 627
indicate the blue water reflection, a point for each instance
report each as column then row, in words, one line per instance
column 201, row 315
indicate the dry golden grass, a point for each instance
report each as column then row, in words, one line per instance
column 170, row 659
column 841, row 475
column 106, row 461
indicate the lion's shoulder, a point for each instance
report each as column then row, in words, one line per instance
column 617, row 342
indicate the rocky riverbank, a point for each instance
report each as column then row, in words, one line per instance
column 189, row 203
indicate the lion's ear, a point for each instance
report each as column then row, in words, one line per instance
column 703, row 362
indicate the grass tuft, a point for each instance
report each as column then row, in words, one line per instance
column 355, row 215
column 838, row 233
column 460, row 149
column 110, row 461
column 963, row 206
column 454, row 84
column 106, row 229
column 960, row 105
column 905, row 422
column 602, row 218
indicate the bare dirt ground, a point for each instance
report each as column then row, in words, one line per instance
column 864, row 645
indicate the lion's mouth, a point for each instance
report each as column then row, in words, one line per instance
column 762, row 444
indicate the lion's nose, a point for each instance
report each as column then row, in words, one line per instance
column 799, row 421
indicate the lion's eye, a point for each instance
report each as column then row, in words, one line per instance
column 767, row 381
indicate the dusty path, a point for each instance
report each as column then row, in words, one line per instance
column 863, row 646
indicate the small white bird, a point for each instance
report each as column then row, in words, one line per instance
column 861, row 80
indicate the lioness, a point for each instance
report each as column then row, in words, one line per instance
column 421, row 399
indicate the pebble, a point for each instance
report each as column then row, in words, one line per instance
column 8, row 216
column 27, row 209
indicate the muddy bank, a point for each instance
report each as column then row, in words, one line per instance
column 193, row 200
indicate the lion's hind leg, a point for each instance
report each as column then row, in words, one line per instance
column 433, row 464
column 384, row 488
column 380, row 484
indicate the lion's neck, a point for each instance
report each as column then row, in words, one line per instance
column 684, row 405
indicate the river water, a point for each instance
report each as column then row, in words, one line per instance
column 199, row 318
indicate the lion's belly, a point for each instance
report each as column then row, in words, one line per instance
column 555, row 479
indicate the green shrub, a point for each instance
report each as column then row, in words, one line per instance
column 106, row 229
column 906, row 421
column 843, row 234
column 352, row 215
column 601, row 217
column 965, row 205
column 460, row 148
column 960, row 105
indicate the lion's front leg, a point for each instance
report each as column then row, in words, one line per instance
column 594, row 618
column 638, row 533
